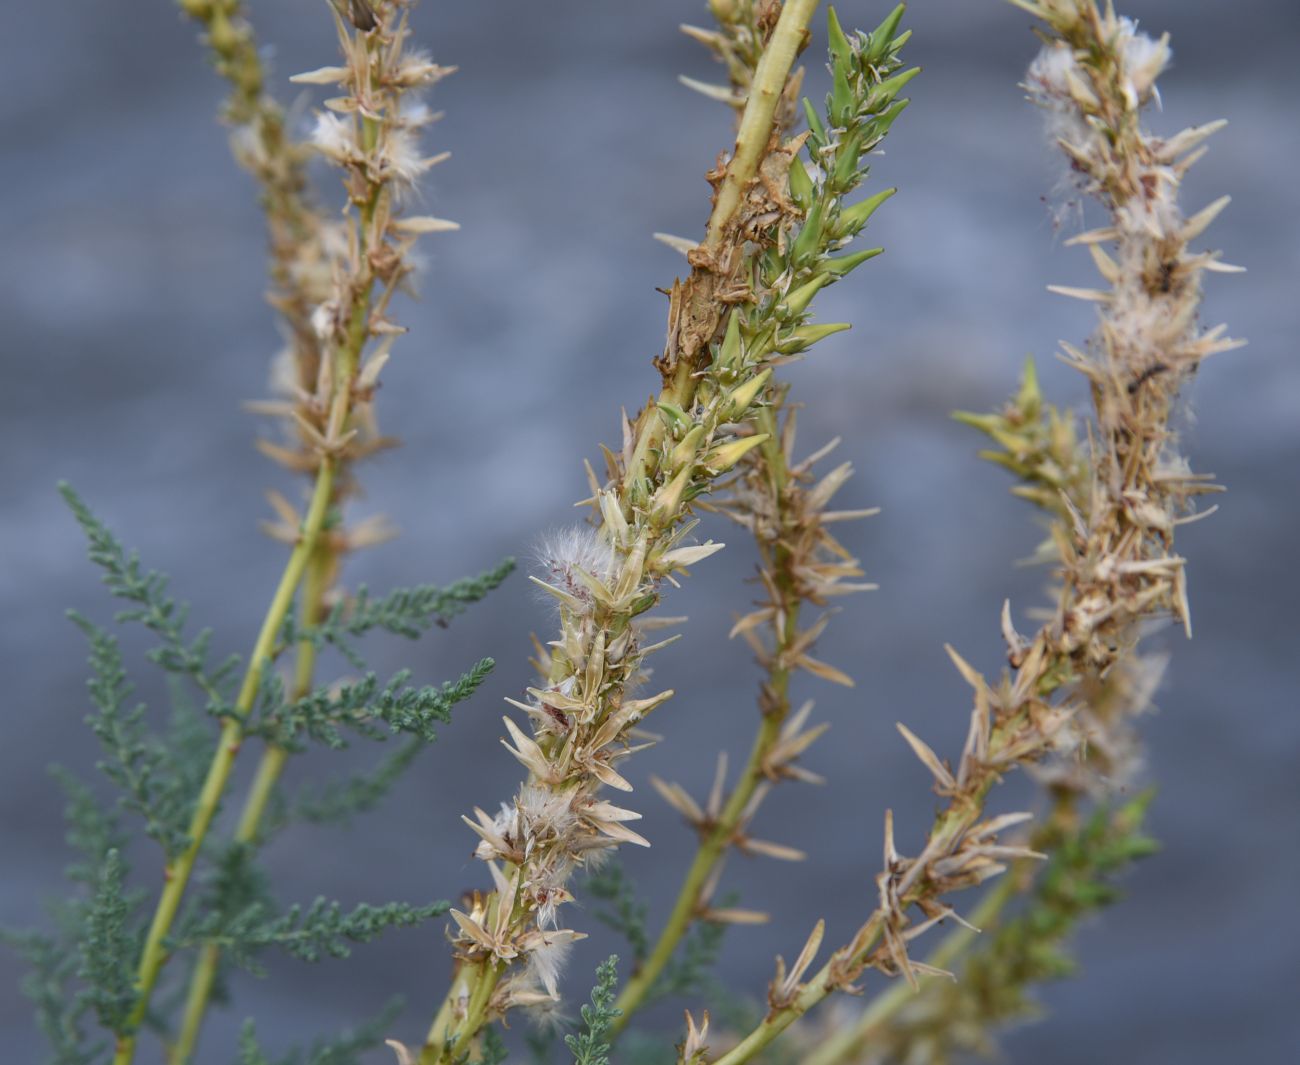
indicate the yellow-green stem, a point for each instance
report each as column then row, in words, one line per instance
column 177, row 874
column 760, row 108
column 721, row 833
column 951, row 824
column 315, row 586
column 848, row 1041
column 445, row 1042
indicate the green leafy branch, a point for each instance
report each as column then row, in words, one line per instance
column 59, row 1010
column 308, row 933
column 867, row 77
column 362, row 707
column 109, row 947
column 591, row 1045
column 154, row 610
column 138, row 763
column 1039, row 444
column 408, row 612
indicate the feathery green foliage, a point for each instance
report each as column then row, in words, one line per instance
column 235, row 894
column 162, row 616
column 541, row 1045
column 87, row 968
column 411, row 612
column 690, row 972
column 237, row 912
column 50, row 985
column 408, row 612
column 137, row 762
column 109, row 946
column 309, row 934
column 362, row 707
column 591, row 1045
column 494, row 1050
column 93, row 829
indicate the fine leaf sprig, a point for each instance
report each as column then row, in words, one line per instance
column 591, row 1045
column 154, row 609
column 109, row 946
column 408, row 612
column 137, row 762
column 366, row 707
column 309, row 933
column 60, row 1008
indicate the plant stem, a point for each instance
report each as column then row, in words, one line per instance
column 849, row 1040
column 176, row 875
column 760, row 108
column 776, row 708
column 315, row 586
column 481, row 981
column 273, row 759
column 949, row 828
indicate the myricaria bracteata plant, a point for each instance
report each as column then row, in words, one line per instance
column 717, row 438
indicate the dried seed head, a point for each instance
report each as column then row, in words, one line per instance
column 573, row 557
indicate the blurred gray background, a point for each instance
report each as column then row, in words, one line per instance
column 131, row 295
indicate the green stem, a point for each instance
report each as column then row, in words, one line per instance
column 176, row 875
column 760, row 109
column 315, row 586
column 445, row 1041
